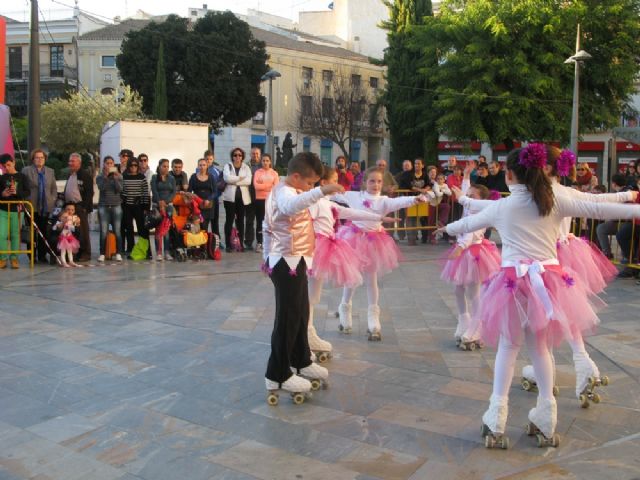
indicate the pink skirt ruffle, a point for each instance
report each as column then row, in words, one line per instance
column 474, row 265
column 335, row 261
column 378, row 250
column 68, row 242
column 588, row 262
column 508, row 305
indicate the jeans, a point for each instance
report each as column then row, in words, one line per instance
column 9, row 224
column 610, row 227
column 110, row 216
column 628, row 237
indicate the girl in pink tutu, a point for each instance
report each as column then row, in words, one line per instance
column 380, row 252
column 334, row 259
column 533, row 299
column 68, row 244
column 470, row 262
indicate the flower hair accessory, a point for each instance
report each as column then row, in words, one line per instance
column 533, row 155
column 565, row 162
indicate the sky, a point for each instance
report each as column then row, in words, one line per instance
column 55, row 9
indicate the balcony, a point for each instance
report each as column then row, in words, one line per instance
column 46, row 74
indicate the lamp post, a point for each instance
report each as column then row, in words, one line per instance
column 577, row 59
column 270, row 75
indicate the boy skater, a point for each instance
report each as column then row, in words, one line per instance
column 289, row 242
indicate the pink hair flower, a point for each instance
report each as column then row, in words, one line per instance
column 565, row 162
column 533, row 155
column 494, row 195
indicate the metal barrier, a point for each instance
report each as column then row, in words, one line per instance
column 15, row 249
column 587, row 228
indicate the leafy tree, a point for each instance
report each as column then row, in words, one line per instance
column 160, row 98
column 341, row 110
column 501, row 75
column 408, row 101
column 76, row 124
column 20, row 126
column 213, row 71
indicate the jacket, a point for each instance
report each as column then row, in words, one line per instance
column 234, row 181
column 50, row 190
column 85, row 184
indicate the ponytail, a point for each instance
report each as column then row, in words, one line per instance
column 536, row 181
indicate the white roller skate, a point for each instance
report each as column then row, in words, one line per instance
column 463, row 323
column 373, row 323
column 320, row 348
column 299, row 388
column 587, row 379
column 471, row 337
column 314, row 373
column 529, row 382
column 494, row 422
column 542, row 422
column 344, row 313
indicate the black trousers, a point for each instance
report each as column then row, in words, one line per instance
column 259, row 208
column 41, row 221
column 215, row 221
column 129, row 214
column 83, row 234
column 289, row 342
column 233, row 211
column 250, row 218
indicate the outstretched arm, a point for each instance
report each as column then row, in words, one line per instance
column 571, row 207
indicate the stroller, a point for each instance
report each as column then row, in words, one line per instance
column 186, row 238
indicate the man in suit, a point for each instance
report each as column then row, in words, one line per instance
column 79, row 191
column 41, row 181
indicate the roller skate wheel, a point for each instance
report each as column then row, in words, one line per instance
column 462, row 346
column 374, row 336
column 605, row 381
column 531, row 429
column 555, row 440
column 484, row 430
column 540, row 440
column 584, row 402
column 591, row 383
column 298, row 398
column 272, row 399
column 596, row 398
column 504, row 444
column 322, row 357
column 345, row 330
column 526, row 384
column 489, row 442
column 472, row 346
column 556, row 391
column 315, row 384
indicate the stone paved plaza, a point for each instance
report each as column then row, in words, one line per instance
column 155, row 371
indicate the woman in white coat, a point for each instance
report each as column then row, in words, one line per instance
column 237, row 176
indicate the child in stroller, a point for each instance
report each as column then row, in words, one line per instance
column 187, row 240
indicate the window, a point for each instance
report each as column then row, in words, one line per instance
column 325, row 152
column 355, row 80
column 108, row 61
column 373, row 82
column 327, row 77
column 15, row 62
column 107, row 91
column 306, row 106
column 108, row 77
column 258, row 118
column 56, row 60
column 327, row 107
column 307, row 75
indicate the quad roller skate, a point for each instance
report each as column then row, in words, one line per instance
column 529, row 383
column 344, row 314
column 373, row 323
column 494, row 422
column 542, row 423
column 299, row 388
column 321, row 349
column 318, row 376
column 587, row 379
column 463, row 322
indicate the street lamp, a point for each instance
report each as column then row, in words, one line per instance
column 577, row 59
column 270, row 75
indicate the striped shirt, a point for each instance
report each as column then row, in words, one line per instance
column 135, row 190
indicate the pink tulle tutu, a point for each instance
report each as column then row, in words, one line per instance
column 508, row 304
column 335, row 260
column 379, row 251
column 68, row 242
column 588, row 262
column 474, row 265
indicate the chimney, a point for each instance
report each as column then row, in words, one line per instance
column 204, row 6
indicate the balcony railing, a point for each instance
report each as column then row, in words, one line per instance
column 46, row 73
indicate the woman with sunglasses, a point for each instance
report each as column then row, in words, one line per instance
column 585, row 180
column 236, row 195
column 135, row 200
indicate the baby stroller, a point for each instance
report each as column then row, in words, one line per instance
column 187, row 240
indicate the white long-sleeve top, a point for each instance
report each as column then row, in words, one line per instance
column 561, row 190
column 283, row 203
column 525, row 234
column 380, row 204
column 241, row 181
column 324, row 220
column 469, row 238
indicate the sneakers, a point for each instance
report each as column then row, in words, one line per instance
column 101, row 259
column 14, row 263
column 3, row 264
column 118, row 257
column 168, row 257
column 259, row 248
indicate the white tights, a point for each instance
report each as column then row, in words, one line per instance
column 373, row 293
column 63, row 257
column 471, row 292
column 315, row 291
column 506, row 362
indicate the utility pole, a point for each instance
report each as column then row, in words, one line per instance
column 33, row 139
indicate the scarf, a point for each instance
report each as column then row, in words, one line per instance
column 584, row 179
